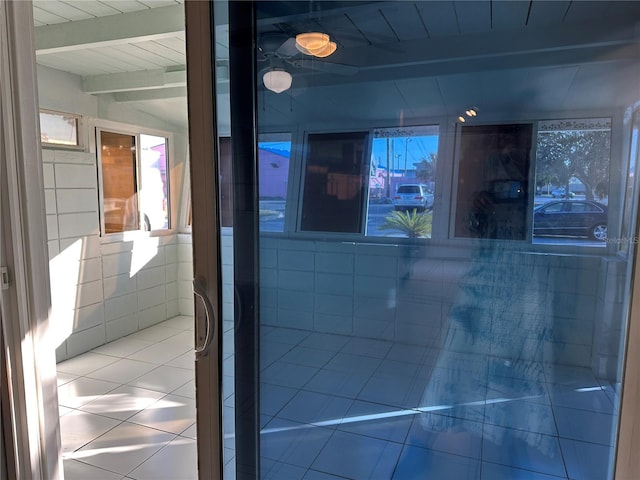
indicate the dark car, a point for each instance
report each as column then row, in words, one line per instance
column 577, row 218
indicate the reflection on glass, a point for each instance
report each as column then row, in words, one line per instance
column 58, row 129
column 402, row 178
column 119, row 189
column 572, row 164
column 485, row 355
column 274, row 153
column 154, row 182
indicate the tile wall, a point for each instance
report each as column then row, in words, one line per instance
column 102, row 288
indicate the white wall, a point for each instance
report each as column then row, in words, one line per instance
column 101, row 289
column 104, row 288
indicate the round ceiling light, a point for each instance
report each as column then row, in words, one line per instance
column 277, row 80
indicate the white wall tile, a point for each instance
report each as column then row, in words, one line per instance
column 49, row 176
column 50, row 201
column 68, row 156
column 116, row 264
column 54, row 248
column 151, row 297
column 121, row 327
column 151, row 277
column 123, row 306
column 89, row 294
column 90, row 270
column 75, row 176
column 171, row 290
column 119, row 285
column 78, row 224
column 173, row 308
column 52, row 227
column 90, row 316
column 85, row 340
column 47, row 155
column 186, row 306
column 152, row 315
column 77, row 200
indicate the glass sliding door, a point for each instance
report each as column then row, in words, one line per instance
column 426, row 273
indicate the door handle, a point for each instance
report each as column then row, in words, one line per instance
column 210, row 316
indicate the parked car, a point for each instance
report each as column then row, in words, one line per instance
column 561, row 193
column 578, row 218
column 410, row 196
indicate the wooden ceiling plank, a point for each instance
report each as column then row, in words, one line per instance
column 509, row 14
column 405, row 21
column 473, row 16
column 439, row 18
column 112, row 30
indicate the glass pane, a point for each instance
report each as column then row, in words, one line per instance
column 572, row 163
column 154, row 182
column 402, row 177
column 274, row 153
column 119, row 190
column 492, row 349
column 58, row 128
column 334, row 183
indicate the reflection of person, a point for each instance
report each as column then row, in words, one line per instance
column 499, row 203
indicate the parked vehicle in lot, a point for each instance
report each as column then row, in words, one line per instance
column 413, row 195
column 578, row 218
column 561, row 193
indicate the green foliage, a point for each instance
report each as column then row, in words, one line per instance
column 583, row 154
column 411, row 223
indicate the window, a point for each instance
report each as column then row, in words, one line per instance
column 493, row 181
column 58, row 129
column 274, row 153
column 572, row 164
column 334, row 182
column 402, row 177
column 134, row 182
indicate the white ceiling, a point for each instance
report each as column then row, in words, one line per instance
column 419, row 58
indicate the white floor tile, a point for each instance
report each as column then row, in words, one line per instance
column 177, row 460
column 122, row 402
column 122, row 371
column 75, row 470
column 123, row 448
column 83, row 390
column 78, row 428
column 171, row 414
column 159, row 353
column 157, row 333
column 122, row 347
column 163, row 379
column 85, row 363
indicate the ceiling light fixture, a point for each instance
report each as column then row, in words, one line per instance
column 326, row 51
column 311, row 43
column 472, row 112
column 461, row 119
column 277, row 80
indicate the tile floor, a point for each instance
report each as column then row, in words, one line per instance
column 127, row 409
column 336, row 407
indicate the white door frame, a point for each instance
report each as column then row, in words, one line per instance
column 31, row 422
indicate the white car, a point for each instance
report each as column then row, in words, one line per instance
column 410, row 196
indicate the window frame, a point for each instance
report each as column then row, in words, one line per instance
column 80, row 131
column 136, row 132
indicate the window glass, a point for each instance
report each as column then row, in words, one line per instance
column 334, row 182
column 58, row 129
column 629, row 185
column 493, row 181
column 119, row 186
column 402, row 179
column 274, row 153
column 154, row 201
column 226, row 185
column 572, row 165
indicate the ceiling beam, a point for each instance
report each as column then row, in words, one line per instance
column 133, row 81
column 151, row 24
column 155, row 94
